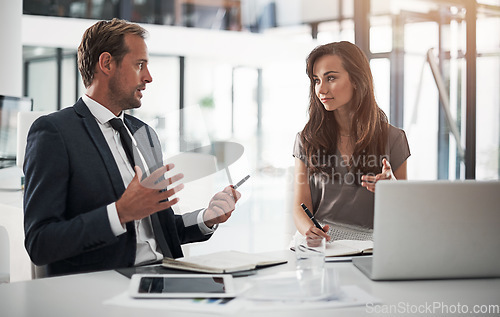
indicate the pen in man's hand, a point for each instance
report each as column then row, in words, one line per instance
column 241, row 182
column 310, row 215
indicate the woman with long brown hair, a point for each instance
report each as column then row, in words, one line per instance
column 345, row 147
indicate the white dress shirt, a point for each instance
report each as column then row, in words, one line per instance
column 147, row 249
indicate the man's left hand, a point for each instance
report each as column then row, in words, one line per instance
column 221, row 206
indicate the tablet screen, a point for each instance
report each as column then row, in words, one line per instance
column 172, row 284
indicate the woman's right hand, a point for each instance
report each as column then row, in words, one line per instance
column 314, row 233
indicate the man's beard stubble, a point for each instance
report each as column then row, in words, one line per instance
column 123, row 99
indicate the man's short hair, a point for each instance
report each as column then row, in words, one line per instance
column 104, row 36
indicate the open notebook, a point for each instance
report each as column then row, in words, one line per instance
column 343, row 247
column 348, row 247
column 222, row 262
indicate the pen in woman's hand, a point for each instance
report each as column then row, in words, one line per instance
column 310, row 215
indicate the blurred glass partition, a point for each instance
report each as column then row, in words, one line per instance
column 488, row 95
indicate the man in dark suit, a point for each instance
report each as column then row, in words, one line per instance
column 89, row 204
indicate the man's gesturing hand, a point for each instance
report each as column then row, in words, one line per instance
column 143, row 198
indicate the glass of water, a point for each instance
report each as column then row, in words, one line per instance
column 310, row 263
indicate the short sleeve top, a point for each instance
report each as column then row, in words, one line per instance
column 341, row 199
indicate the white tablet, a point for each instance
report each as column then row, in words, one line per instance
column 181, row 286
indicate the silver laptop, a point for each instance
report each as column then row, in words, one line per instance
column 435, row 230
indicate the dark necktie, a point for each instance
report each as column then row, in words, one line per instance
column 119, row 126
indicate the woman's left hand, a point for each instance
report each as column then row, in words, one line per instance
column 369, row 181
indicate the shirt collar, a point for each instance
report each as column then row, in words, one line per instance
column 101, row 113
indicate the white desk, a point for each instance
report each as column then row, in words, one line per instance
column 83, row 295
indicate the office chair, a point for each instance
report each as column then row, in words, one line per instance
column 4, row 256
column 12, row 248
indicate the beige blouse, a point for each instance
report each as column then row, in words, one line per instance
column 341, row 199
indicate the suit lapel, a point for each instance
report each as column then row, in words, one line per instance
column 95, row 134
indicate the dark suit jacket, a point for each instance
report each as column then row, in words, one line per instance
column 71, row 176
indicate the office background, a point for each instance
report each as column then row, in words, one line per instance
column 235, row 71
